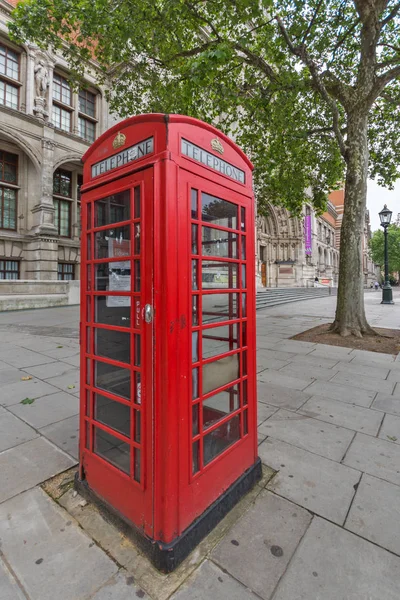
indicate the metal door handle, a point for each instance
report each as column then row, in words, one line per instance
column 148, row 313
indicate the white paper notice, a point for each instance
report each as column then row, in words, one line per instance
column 118, row 283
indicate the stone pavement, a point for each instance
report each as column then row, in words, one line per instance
column 327, row 525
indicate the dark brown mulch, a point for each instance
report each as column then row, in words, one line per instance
column 388, row 340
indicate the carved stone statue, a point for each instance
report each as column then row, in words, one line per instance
column 41, row 79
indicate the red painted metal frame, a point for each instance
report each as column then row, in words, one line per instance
column 170, row 496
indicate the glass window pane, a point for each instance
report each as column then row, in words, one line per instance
column 219, row 307
column 219, row 275
column 195, row 345
column 115, row 380
column 113, row 209
column 114, row 277
column 136, row 234
column 137, row 388
column 137, row 202
column 243, row 218
column 137, row 349
column 215, row 242
column 195, row 383
column 195, row 211
column 194, row 275
column 243, row 242
column 195, row 419
column 113, row 344
column 220, row 372
column 195, row 460
column 112, row 310
column 112, row 449
column 194, row 239
column 136, row 474
column 138, row 426
column 136, row 266
column 218, row 340
column 195, row 310
column 112, row 243
column 220, row 405
column 221, row 438
column 112, row 413
column 217, row 211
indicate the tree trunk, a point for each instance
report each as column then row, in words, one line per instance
column 350, row 313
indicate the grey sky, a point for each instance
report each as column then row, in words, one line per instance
column 377, row 196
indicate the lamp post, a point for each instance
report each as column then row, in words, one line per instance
column 387, row 295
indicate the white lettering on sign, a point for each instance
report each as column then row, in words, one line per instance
column 214, row 162
column 125, row 156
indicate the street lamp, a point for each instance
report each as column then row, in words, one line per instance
column 387, row 295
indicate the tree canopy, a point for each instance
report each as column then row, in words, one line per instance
column 309, row 89
column 229, row 63
column 376, row 245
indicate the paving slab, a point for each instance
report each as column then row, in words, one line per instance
column 25, row 358
column 264, row 412
column 74, row 361
column 332, row 352
column 309, row 434
column 276, row 395
column 9, row 588
column 13, row 431
column 51, row 555
column 359, row 369
column 258, row 548
column 66, row 381
column 396, row 391
column 375, row 513
column 120, row 587
column 334, row 564
column 339, row 413
column 394, row 375
column 314, row 360
column 308, row 372
column 64, row 434
column 390, row 430
column 11, row 375
column 28, row 464
column 60, row 353
column 372, row 357
column 53, row 369
column 277, row 378
column 316, row 483
column 48, row 409
column 355, row 380
column 270, row 363
column 266, row 355
column 13, row 393
column 296, row 347
column 344, row 393
column 386, row 403
column 208, row 581
column 375, row 456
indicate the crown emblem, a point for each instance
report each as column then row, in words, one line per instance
column 217, row 146
column 119, row 140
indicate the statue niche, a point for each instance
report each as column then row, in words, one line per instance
column 42, row 81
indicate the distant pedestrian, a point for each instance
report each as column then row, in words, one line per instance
column 316, row 280
column 376, row 285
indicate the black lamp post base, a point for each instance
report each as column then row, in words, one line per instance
column 387, row 295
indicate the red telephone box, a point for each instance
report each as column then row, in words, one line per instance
column 168, row 438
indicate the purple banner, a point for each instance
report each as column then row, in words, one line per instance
column 307, row 234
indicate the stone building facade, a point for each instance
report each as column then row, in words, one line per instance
column 45, row 128
column 282, row 257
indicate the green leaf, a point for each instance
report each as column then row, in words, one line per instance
column 27, row 401
column 70, row 387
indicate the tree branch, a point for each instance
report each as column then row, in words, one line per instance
column 310, row 25
column 391, row 15
column 301, row 52
column 256, row 60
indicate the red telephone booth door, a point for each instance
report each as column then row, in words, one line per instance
column 117, row 336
